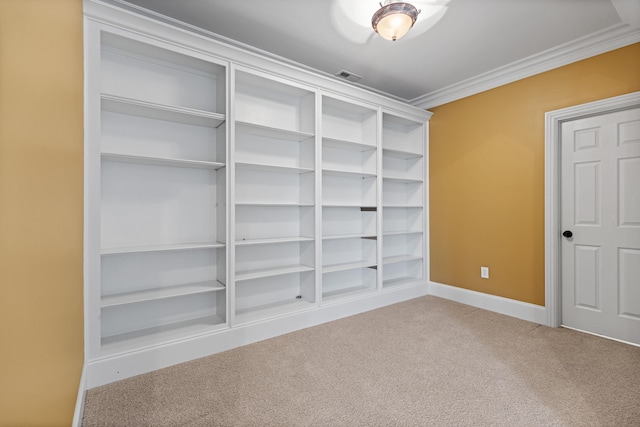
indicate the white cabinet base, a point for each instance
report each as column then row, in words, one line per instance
column 120, row 366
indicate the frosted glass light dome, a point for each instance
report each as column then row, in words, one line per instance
column 394, row 19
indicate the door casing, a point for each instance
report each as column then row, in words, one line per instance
column 553, row 123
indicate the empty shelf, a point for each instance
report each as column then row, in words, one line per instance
column 158, row 161
column 134, row 107
column 161, row 247
column 331, row 268
column 160, row 293
column 271, row 271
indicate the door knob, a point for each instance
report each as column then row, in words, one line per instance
column 567, row 233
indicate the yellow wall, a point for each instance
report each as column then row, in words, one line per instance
column 41, row 210
column 487, row 174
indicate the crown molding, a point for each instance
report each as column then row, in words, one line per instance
column 610, row 38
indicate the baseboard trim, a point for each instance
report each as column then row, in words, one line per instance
column 82, row 391
column 601, row 336
column 521, row 310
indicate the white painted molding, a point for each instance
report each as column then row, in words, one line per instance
column 628, row 11
column 82, row 391
column 553, row 123
column 521, row 310
column 611, row 38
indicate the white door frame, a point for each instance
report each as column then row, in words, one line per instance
column 552, row 139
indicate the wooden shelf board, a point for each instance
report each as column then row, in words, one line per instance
column 151, row 110
column 158, row 161
column 400, row 258
column 272, row 240
column 266, row 311
column 160, row 293
column 400, row 154
column 346, row 145
column 271, row 271
column 270, row 132
column 332, row 268
column 163, row 247
column 272, row 168
column 161, row 334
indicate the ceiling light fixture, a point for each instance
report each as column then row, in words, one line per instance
column 394, row 19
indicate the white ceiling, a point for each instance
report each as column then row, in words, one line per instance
column 473, row 40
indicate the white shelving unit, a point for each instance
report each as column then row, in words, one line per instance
column 231, row 198
column 349, row 197
column 162, row 149
column 403, row 197
column 274, row 197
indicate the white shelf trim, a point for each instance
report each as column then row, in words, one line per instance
column 399, row 281
column 272, row 240
column 135, row 107
column 273, row 204
column 163, row 333
column 351, row 291
column 349, row 205
column 407, row 206
column 350, row 236
column 160, row 293
column 160, row 161
column 347, row 173
column 400, row 154
column 271, row 168
column 267, row 311
column 271, row 271
column 161, row 247
column 402, row 180
column 271, row 132
column 400, row 258
column 332, row 268
column 346, row 145
column 401, row 232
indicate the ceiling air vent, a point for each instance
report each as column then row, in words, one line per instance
column 348, row 76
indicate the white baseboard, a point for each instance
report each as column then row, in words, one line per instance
column 521, row 310
column 82, row 391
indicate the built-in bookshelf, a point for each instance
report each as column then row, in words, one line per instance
column 403, row 190
column 163, row 193
column 349, row 198
column 274, row 197
column 232, row 198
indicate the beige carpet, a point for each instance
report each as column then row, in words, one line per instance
column 427, row 361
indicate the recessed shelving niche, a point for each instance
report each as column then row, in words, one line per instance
column 274, row 197
column 232, row 198
column 163, row 193
column 403, row 193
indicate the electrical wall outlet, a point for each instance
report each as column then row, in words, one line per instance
column 484, row 272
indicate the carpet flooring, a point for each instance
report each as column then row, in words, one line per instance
column 423, row 362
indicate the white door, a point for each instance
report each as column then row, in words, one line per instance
column 600, row 205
